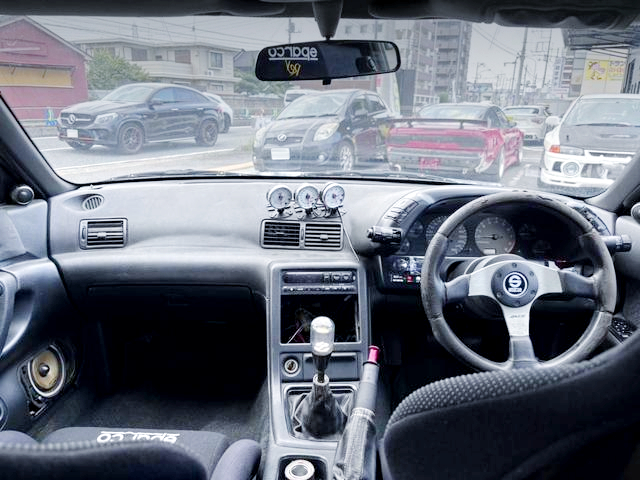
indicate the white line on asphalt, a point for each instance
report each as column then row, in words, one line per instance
column 43, row 138
column 42, row 150
column 227, row 168
column 142, row 160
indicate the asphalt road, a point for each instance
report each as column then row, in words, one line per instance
column 231, row 153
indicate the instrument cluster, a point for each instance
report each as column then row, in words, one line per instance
column 485, row 234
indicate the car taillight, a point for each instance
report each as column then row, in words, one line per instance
column 554, row 149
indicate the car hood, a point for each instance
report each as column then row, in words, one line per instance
column 297, row 126
column 599, row 137
column 98, row 107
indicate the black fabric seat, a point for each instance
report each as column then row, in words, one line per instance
column 571, row 421
column 115, row 453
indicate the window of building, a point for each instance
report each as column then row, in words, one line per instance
column 183, row 56
column 379, row 27
column 399, row 34
column 216, row 87
column 215, row 60
column 158, row 58
column 348, row 29
column 364, row 28
column 138, row 54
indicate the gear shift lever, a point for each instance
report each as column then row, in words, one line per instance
column 322, row 336
column 318, row 414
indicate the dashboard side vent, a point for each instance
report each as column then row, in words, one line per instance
column 326, row 236
column 105, row 233
column 280, row 234
column 92, row 202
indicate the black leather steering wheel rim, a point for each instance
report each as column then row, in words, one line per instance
column 434, row 290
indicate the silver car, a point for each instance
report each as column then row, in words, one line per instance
column 531, row 119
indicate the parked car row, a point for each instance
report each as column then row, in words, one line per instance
column 343, row 129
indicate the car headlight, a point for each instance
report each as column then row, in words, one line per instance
column 260, row 134
column 566, row 150
column 105, row 118
column 325, row 131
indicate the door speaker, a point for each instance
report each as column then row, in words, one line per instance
column 47, row 372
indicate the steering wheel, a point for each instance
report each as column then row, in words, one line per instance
column 515, row 283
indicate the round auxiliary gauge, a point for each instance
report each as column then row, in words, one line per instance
column 332, row 195
column 307, row 196
column 279, row 197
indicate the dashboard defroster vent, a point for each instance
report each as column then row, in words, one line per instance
column 281, row 234
column 105, row 233
column 326, row 236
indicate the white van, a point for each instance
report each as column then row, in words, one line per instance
column 295, row 93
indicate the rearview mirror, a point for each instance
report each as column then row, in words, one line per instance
column 327, row 60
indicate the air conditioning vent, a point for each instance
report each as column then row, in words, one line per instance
column 92, row 202
column 281, row 234
column 326, row 236
column 108, row 233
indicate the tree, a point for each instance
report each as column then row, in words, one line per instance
column 107, row 72
column 250, row 84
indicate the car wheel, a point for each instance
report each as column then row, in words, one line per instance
column 207, row 133
column 346, row 156
column 226, row 123
column 79, row 145
column 130, row 138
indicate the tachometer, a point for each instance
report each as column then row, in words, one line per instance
column 457, row 240
column 495, row 235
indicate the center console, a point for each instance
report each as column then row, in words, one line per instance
column 297, row 295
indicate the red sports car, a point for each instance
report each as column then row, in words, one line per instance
column 453, row 139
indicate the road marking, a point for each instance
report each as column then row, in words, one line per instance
column 42, row 150
column 227, row 168
column 44, row 138
column 143, row 160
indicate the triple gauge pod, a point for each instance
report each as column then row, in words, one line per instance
column 307, row 197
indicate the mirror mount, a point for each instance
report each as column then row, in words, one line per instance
column 327, row 16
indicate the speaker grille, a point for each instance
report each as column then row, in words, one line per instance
column 47, row 372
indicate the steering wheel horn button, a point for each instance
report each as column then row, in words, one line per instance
column 514, row 285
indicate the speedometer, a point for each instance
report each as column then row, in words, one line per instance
column 495, row 235
column 457, row 240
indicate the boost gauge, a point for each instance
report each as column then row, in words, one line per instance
column 307, row 196
column 332, row 195
column 279, row 197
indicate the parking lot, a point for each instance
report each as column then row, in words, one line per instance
column 231, row 153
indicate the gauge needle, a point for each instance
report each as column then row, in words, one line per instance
column 492, row 237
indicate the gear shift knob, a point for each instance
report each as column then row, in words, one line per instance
column 322, row 337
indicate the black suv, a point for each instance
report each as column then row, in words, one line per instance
column 335, row 129
column 135, row 114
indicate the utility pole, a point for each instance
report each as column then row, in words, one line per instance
column 291, row 28
column 522, row 57
column 546, row 59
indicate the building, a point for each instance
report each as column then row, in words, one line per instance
column 452, row 44
column 40, row 73
column 203, row 66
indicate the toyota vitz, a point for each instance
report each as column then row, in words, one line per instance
column 179, row 314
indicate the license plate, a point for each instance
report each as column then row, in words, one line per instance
column 429, row 163
column 280, row 154
column 72, row 133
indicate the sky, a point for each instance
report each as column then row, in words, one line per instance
column 493, row 48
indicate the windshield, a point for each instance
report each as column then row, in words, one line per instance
column 315, row 106
column 129, row 93
column 622, row 111
column 458, row 112
column 80, row 86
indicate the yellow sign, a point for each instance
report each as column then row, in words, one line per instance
column 616, row 70
column 596, row 69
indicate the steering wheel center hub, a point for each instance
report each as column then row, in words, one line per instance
column 514, row 284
